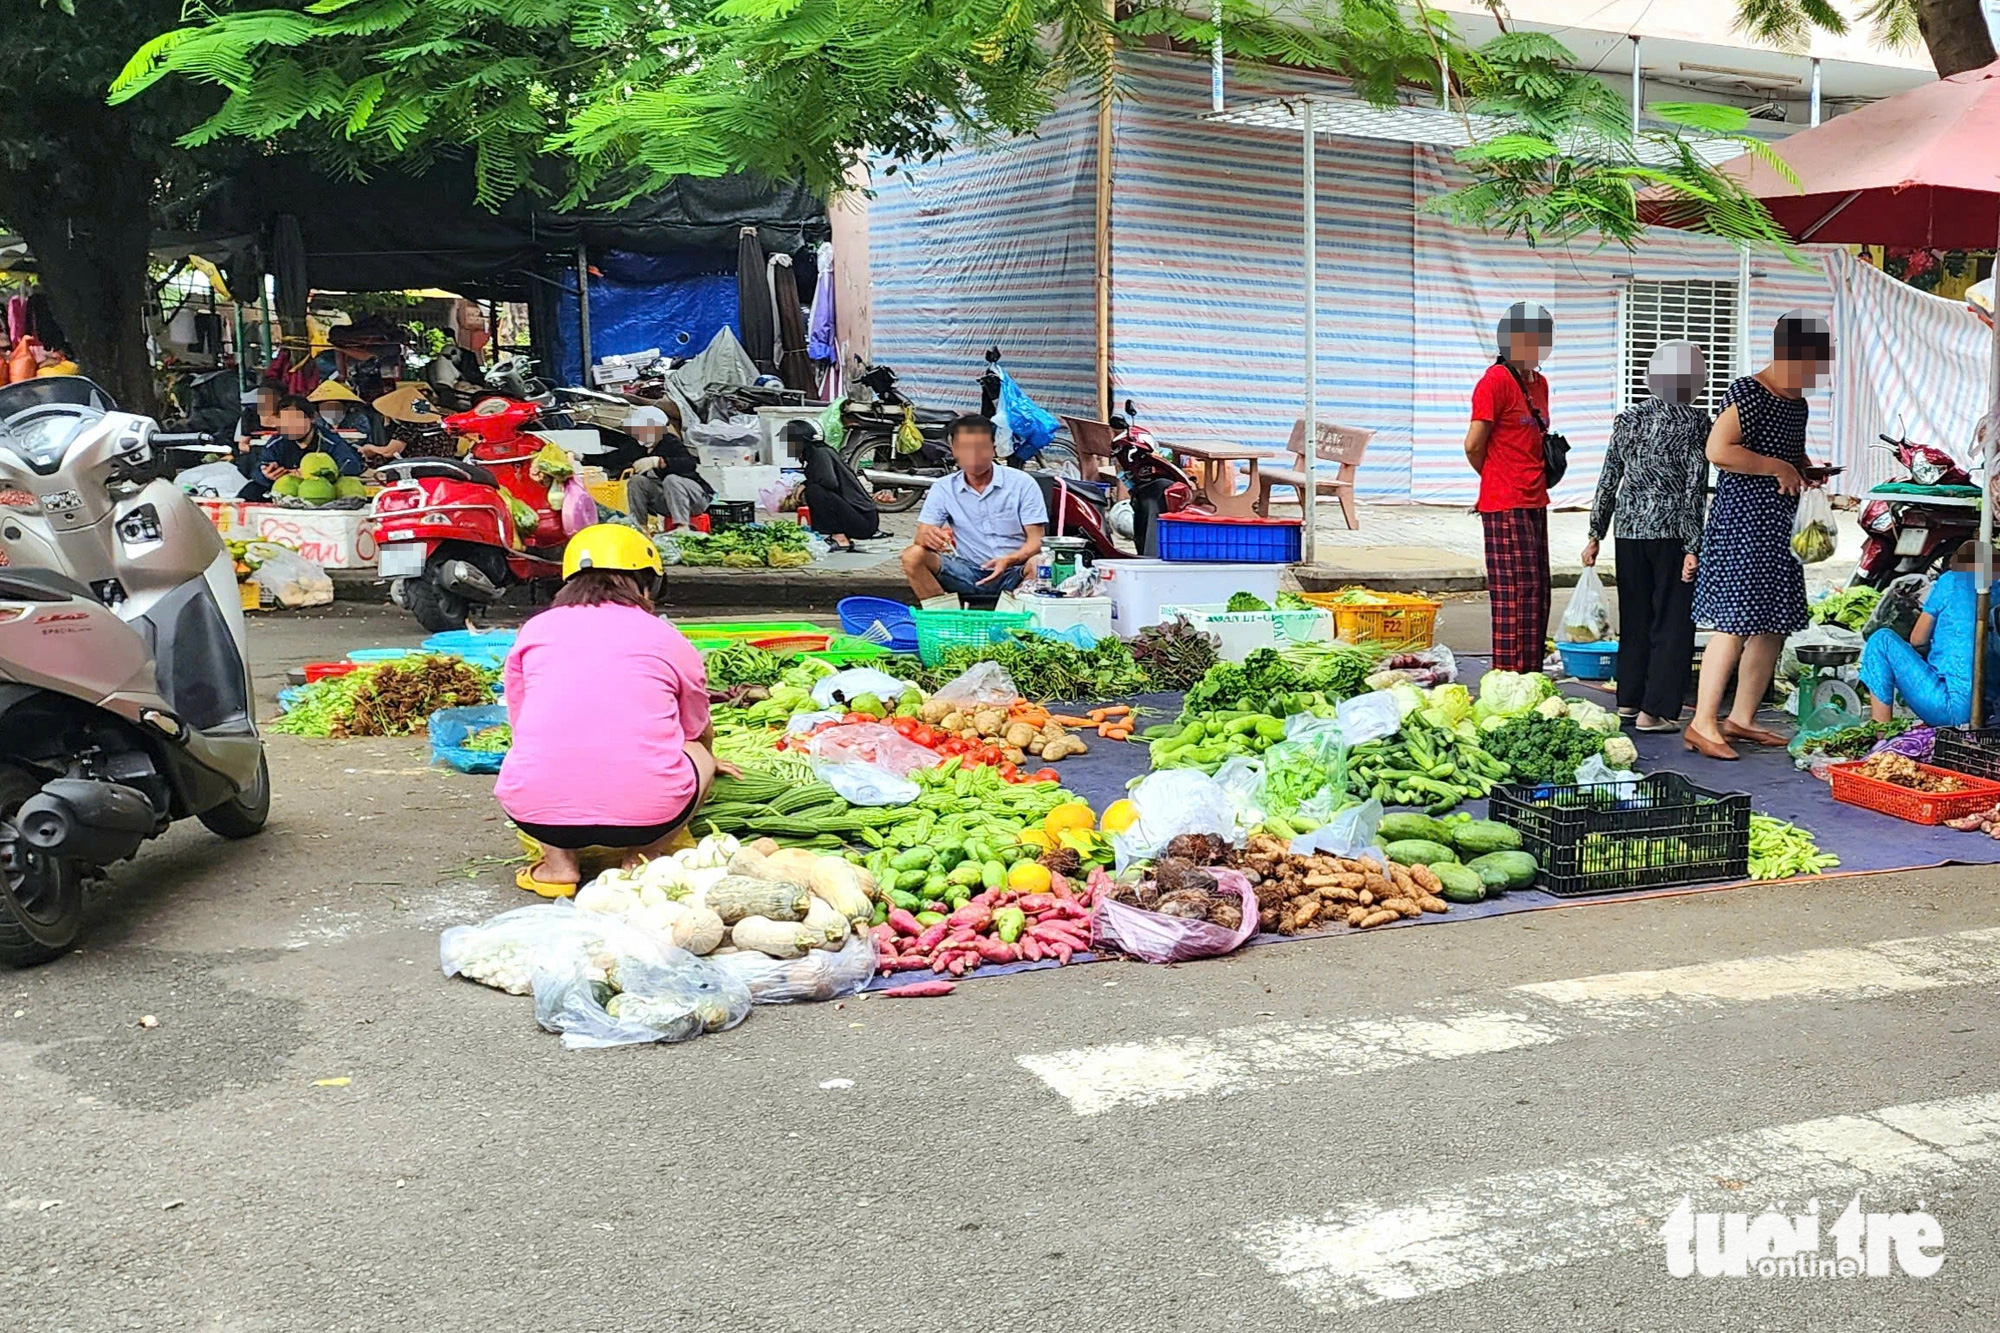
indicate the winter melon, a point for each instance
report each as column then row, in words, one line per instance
column 1459, row 884
column 1420, row 852
column 1512, row 870
column 1476, row 837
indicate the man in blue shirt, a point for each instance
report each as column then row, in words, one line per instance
column 980, row 526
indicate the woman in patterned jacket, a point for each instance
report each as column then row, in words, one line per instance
column 1655, row 478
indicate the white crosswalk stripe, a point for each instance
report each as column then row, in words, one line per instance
column 1097, row 1079
column 1369, row 1252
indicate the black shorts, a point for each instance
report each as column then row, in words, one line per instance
column 576, row 837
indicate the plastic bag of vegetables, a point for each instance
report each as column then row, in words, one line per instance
column 1587, row 618
column 1813, row 534
column 639, row 1001
column 817, row 974
column 507, row 951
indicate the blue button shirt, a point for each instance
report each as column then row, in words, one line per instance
column 987, row 523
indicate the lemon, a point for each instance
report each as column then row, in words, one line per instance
column 1119, row 816
column 1071, row 816
column 1028, row 877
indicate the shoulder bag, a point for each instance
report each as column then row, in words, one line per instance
column 1555, row 446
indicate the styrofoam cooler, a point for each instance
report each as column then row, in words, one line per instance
column 1059, row 613
column 714, row 456
column 1241, row 633
column 1139, row 588
column 742, row 483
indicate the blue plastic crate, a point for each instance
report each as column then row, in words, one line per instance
column 479, row 647
column 1590, row 661
column 1260, row 541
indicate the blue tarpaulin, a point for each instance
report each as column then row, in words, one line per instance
column 643, row 301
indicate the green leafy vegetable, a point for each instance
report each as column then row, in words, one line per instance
column 741, row 664
column 1247, row 601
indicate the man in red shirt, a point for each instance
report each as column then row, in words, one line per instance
column 1506, row 446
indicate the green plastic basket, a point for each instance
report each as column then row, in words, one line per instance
column 847, row 649
column 750, row 629
column 938, row 631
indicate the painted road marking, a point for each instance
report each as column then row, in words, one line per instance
column 1095, row 1079
column 1369, row 1252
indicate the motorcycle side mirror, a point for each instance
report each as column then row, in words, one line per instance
column 992, row 356
column 1131, row 408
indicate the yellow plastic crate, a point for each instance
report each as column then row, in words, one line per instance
column 610, row 494
column 1397, row 621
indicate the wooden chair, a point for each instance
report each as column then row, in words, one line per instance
column 1344, row 445
column 1093, row 447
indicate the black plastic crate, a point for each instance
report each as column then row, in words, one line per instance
column 1589, row 839
column 1974, row 752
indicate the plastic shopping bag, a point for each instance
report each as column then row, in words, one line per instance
column 1154, row 937
column 288, row 576
column 1813, row 535
column 821, row 974
column 981, row 685
column 451, row 728
column 845, row 686
column 579, row 507
column 640, row 1001
column 1171, row 802
column 1349, row 834
column 1587, row 619
column 507, row 951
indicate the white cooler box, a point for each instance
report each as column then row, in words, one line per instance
column 1241, row 633
column 1059, row 613
column 1139, row 588
column 713, row 457
column 742, row 483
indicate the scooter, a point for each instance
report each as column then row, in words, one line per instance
column 900, row 479
column 445, row 533
column 125, row 691
column 1156, row 484
column 1916, row 535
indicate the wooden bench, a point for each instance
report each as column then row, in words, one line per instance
column 1344, row 445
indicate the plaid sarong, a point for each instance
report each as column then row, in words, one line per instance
column 1517, row 586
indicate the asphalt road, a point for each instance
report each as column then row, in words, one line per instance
column 1384, row 1132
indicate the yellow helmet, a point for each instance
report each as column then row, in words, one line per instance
column 611, row 546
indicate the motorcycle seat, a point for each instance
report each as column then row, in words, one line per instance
column 41, row 585
column 455, row 469
column 1093, row 493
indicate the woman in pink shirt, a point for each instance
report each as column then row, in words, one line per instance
column 610, row 712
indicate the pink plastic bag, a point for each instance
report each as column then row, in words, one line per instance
column 579, row 510
column 1153, row 938
column 875, row 745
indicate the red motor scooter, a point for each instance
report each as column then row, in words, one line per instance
column 1917, row 535
column 1154, row 484
column 445, row 531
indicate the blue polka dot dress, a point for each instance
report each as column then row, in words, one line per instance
column 1748, row 581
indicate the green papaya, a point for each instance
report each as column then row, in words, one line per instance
column 1517, row 867
column 1459, row 884
column 1420, row 852
column 1477, row 837
column 1398, row 827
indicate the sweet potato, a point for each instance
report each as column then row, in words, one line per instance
column 1433, row 904
column 1031, row 948
column 903, row 923
column 919, row 990
column 1379, row 917
column 931, row 937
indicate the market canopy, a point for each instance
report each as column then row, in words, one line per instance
column 398, row 231
column 1920, row 169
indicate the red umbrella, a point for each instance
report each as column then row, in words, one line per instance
column 1918, row 169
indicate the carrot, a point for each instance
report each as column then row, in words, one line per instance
column 919, row 990
column 1114, row 710
column 1118, row 733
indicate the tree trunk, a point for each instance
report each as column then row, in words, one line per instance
column 1955, row 31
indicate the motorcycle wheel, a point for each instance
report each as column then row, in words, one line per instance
column 242, row 815
column 1058, row 460
column 41, row 897
column 865, row 451
column 435, row 609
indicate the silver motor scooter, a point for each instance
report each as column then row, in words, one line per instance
column 125, row 694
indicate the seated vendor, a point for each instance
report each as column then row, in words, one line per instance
column 298, row 435
column 570, row 781
column 341, row 410
column 980, row 526
column 413, row 427
column 1932, row 671
column 665, row 479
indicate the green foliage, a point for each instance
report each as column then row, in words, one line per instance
column 636, row 92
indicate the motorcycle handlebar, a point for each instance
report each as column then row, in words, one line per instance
column 183, row 437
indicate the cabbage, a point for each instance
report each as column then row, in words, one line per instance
column 1408, row 697
column 1448, row 705
column 1510, row 693
column 1593, row 717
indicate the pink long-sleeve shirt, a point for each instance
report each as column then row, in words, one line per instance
column 603, row 700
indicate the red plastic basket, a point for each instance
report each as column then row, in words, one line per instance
column 321, row 670
column 793, row 643
column 1853, row 787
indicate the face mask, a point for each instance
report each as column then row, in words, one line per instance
column 331, row 416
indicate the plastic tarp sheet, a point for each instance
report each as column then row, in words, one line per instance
column 678, row 314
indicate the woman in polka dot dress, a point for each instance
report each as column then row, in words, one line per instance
column 1751, row 589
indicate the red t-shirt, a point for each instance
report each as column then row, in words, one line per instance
column 1516, row 474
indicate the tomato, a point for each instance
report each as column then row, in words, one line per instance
column 953, row 746
column 923, row 736
column 1045, row 775
column 855, row 719
column 1010, row 772
column 903, row 726
column 988, row 754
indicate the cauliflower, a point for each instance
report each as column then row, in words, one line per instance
column 1553, row 706
column 1620, row 752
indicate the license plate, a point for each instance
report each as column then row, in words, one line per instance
column 400, row 560
column 1910, row 541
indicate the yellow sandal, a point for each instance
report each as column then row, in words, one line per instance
column 524, row 878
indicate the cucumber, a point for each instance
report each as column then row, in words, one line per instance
column 1459, row 884
column 1420, row 852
